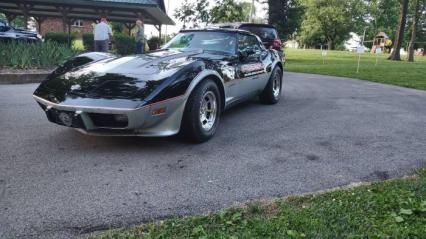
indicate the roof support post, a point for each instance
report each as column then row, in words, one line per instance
column 39, row 21
column 10, row 17
column 25, row 9
column 159, row 33
column 69, row 33
column 64, row 11
column 129, row 27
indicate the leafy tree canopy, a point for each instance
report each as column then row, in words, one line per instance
column 192, row 14
column 230, row 11
column 331, row 21
column 286, row 16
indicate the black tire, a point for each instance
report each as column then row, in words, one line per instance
column 269, row 95
column 193, row 129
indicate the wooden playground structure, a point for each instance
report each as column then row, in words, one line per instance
column 382, row 41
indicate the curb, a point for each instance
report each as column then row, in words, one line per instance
column 22, row 78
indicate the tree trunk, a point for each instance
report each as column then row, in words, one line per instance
column 277, row 11
column 413, row 31
column 330, row 45
column 399, row 36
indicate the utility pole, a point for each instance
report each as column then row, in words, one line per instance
column 363, row 36
column 168, row 8
column 361, row 49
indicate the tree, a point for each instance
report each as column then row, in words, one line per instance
column 117, row 27
column 382, row 16
column 422, row 31
column 286, row 16
column 399, row 35
column 185, row 13
column 331, row 21
column 229, row 11
column 419, row 6
column 202, row 14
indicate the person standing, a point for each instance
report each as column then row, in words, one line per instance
column 140, row 37
column 102, row 35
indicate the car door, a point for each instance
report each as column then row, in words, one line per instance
column 251, row 69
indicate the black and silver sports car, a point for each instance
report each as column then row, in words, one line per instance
column 182, row 87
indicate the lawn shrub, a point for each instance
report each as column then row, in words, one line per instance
column 24, row 55
column 124, row 45
column 88, row 41
column 59, row 37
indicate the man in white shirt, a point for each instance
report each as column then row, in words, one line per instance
column 102, row 33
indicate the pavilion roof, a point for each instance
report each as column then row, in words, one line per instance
column 126, row 11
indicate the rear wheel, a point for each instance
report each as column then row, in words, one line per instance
column 202, row 112
column 272, row 92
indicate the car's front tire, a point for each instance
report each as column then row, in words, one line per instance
column 272, row 92
column 202, row 112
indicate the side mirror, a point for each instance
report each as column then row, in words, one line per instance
column 242, row 55
column 250, row 51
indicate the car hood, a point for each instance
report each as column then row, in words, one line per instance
column 24, row 32
column 128, row 77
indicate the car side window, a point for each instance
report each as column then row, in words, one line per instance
column 249, row 43
column 4, row 28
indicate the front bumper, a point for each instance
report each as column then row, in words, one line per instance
column 158, row 119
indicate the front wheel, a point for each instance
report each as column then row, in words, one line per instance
column 202, row 112
column 272, row 92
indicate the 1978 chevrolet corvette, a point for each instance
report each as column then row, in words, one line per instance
column 182, row 87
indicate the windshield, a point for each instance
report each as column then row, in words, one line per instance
column 209, row 41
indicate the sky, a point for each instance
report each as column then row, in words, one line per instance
column 172, row 5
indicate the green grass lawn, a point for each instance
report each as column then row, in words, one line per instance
column 340, row 63
column 390, row 209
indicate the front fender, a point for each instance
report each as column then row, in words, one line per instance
column 78, row 61
column 207, row 73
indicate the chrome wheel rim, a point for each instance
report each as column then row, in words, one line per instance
column 276, row 85
column 208, row 110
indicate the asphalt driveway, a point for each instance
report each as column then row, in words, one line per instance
column 327, row 132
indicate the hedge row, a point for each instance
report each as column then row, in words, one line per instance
column 25, row 55
column 59, row 37
column 123, row 44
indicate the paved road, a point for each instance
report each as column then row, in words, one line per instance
column 327, row 132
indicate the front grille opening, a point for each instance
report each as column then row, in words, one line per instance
column 69, row 118
column 109, row 120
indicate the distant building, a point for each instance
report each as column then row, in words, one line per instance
column 353, row 42
column 292, row 44
column 54, row 24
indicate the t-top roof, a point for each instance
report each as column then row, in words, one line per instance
column 153, row 11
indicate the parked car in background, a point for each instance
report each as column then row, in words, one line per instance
column 182, row 87
column 9, row 33
column 267, row 33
